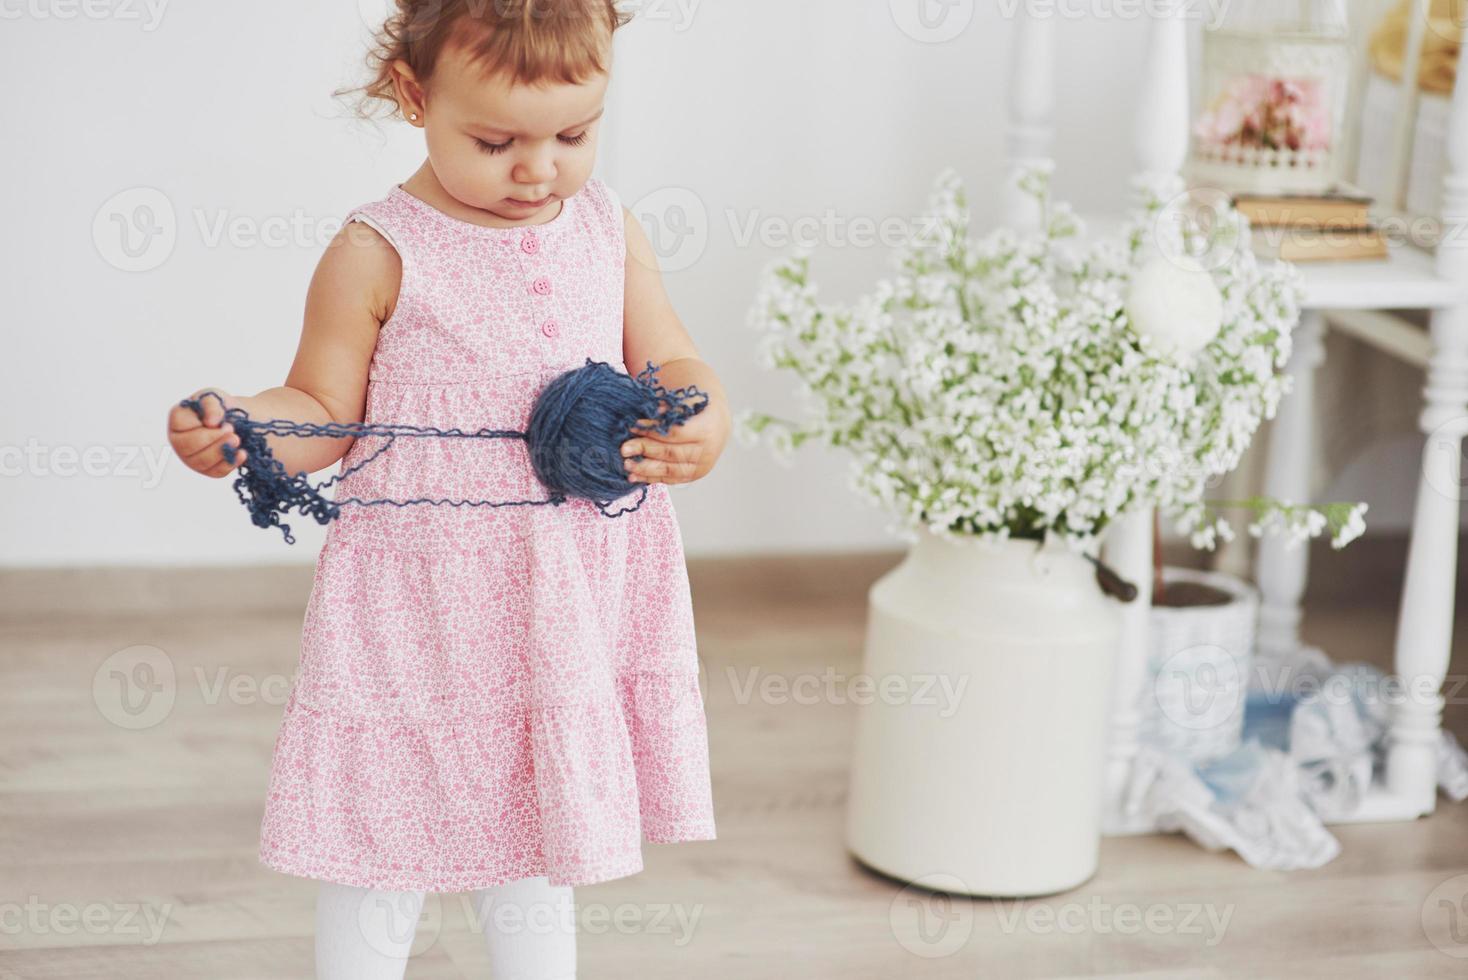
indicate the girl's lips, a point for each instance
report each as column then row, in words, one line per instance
column 529, row 204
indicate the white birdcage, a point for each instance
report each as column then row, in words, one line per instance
column 1276, row 77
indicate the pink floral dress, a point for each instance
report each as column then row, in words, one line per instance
column 489, row 693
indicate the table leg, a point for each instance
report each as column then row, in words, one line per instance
column 1425, row 626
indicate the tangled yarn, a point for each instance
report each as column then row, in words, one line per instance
column 577, row 426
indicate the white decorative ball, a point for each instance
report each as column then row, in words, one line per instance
column 1175, row 303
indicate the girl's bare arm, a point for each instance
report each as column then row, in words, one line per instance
column 352, row 293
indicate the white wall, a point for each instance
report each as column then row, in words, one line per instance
column 750, row 110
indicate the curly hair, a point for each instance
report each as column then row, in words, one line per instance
column 534, row 40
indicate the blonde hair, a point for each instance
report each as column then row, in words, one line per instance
column 534, row 40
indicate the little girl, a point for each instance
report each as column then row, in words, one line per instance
column 497, row 700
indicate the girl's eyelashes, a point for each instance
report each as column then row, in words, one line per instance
column 489, row 147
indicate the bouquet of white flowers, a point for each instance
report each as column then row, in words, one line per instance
column 1025, row 384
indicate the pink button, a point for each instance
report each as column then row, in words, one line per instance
column 541, row 286
column 530, row 244
column 550, row 328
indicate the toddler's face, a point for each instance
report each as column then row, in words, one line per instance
column 514, row 150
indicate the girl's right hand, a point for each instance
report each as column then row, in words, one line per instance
column 200, row 442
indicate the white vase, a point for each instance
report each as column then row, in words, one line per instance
column 991, row 784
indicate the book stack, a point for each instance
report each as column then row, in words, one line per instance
column 1325, row 227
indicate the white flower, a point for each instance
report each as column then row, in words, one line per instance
column 1175, row 303
column 989, row 387
column 1352, row 528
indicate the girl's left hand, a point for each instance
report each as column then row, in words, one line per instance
column 685, row 454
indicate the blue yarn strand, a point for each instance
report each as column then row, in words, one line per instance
column 577, row 426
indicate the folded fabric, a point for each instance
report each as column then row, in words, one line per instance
column 1248, row 801
column 1308, row 755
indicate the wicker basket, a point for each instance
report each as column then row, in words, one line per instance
column 1198, row 667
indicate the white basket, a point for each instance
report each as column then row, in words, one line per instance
column 1198, row 663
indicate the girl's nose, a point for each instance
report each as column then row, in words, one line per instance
column 536, row 167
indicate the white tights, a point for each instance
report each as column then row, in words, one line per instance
column 364, row 934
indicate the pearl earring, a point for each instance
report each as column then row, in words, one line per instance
column 413, row 116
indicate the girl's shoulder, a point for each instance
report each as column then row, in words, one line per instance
column 392, row 215
column 602, row 210
column 601, row 197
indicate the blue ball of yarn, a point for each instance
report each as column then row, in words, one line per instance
column 581, row 418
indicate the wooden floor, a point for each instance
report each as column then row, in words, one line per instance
column 130, row 851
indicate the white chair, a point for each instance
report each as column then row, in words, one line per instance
column 1349, row 296
column 1354, row 297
